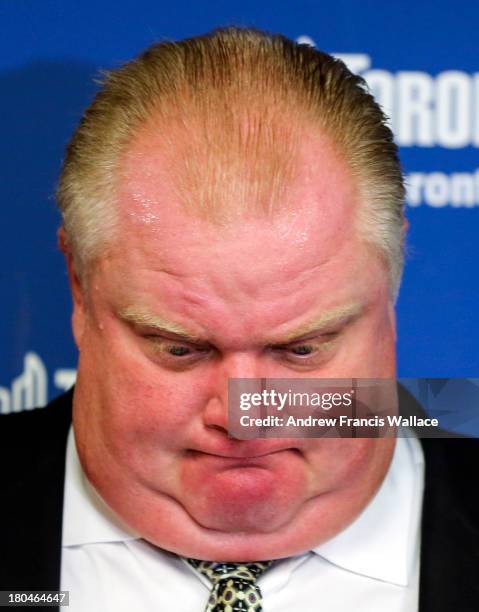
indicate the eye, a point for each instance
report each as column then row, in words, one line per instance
column 178, row 351
column 308, row 354
column 173, row 354
column 303, row 349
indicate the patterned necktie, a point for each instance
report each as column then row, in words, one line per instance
column 234, row 585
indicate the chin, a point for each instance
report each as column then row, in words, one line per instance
column 254, row 498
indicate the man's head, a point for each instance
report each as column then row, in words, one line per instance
column 233, row 208
column 232, row 108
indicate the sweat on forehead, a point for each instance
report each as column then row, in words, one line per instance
column 255, row 171
column 237, row 104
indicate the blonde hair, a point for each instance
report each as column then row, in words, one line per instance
column 232, row 105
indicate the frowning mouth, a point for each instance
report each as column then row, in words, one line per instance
column 244, row 458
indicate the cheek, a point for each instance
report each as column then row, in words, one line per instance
column 342, row 462
column 131, row 400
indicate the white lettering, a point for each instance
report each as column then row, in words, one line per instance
column 5, row 407
column 30, row 388
column 463, row 189
column 414, row 184
column 413, row 116
column 475, row 113
column 381, row 84
column 64, row 378
column 424, row 110
column 454, row 106
column 437, row 189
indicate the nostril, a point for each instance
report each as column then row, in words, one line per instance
column 219, row 428
column 215, row 415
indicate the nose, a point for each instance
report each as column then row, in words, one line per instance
column 238, row 365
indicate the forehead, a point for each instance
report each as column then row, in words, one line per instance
column 304, row 255
column 312, row 213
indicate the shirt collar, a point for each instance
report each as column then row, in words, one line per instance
column 86, row 517
column 380, row 543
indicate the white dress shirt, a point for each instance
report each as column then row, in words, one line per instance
column 371, row 566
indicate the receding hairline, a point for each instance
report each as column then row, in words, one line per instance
column 233, row 63
column 218, row 171
column 168, row 167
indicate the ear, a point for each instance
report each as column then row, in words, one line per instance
column 79, row 314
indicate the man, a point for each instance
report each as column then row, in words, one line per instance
column 232, row 208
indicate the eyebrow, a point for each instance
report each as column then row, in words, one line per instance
column 331, row 318
column 139, row 316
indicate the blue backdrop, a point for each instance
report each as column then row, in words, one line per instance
column 420, row 59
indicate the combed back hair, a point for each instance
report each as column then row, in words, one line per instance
column 230, row 109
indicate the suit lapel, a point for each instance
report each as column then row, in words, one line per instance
column 33, row 540
column 449, row 574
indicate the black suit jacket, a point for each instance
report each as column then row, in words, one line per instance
column 32, row 460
